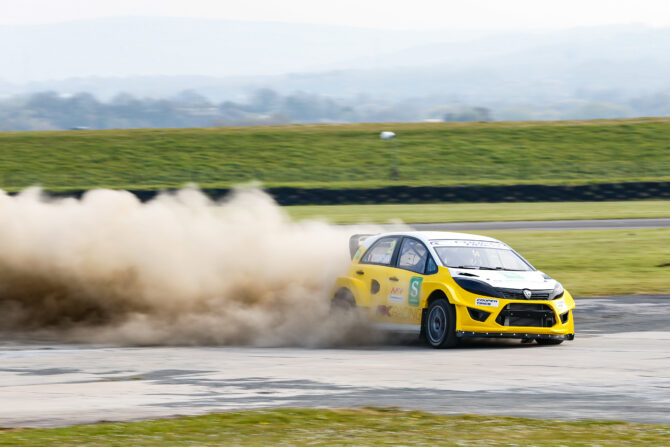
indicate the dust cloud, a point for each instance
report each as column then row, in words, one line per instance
column 178, row 270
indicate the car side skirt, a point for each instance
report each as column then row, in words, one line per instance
column 396, row 327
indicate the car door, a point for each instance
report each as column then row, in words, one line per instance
column 374, row 270
column 413, row 264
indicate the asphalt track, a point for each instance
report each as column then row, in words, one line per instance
column 597, row 224
column 616, row 368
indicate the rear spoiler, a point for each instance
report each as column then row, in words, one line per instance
column 355, row 241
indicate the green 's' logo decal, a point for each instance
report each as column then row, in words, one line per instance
column 358, row 253
column 414, row 291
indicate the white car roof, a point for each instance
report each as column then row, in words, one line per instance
column 427, row 236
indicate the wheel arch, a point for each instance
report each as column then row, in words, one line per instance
column 352, row 286
column 438, row 290
column 436, row 295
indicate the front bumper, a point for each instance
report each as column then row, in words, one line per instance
column 509, row 318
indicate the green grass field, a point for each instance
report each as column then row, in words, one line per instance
column 364, row 427
column 598, row 262
column 349, row 155
column 482, row 212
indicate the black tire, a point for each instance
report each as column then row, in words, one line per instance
column 549, row 341
column 440, row 324
column 342, row 302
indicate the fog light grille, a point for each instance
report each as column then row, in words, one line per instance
column 478, row 315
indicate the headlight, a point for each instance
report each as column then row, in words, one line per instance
column 558, row 291
column 478, row 287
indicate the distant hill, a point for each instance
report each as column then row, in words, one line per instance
column 154, row 46
column 598, row 72
column 227, row 60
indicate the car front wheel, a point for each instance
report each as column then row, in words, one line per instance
column 440, row 324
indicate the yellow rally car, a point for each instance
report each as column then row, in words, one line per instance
column 447, row 286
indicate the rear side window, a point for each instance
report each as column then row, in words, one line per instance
column 381, row 252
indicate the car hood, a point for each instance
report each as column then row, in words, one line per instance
column 533, row 280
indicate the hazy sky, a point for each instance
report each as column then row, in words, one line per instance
column 405, row 14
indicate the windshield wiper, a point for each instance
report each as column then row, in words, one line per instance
column 469, row 267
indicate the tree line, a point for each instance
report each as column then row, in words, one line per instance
column 52, row 110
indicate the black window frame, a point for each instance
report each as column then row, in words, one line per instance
column 394, row 256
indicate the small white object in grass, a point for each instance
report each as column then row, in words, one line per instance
column 386, row 135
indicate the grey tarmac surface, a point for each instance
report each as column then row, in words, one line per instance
column 598, row 224
column 618, row 367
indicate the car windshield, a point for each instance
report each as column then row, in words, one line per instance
column 482, row 257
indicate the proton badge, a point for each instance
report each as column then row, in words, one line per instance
column 527, row 293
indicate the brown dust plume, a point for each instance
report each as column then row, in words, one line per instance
column 180, row 269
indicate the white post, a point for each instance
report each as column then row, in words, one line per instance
column 388, row 135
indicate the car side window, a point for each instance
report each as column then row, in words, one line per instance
column 431, row 267
column 381, row 252
column 413, row 256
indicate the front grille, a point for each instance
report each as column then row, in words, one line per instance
column 528, row 315
column 517, row 294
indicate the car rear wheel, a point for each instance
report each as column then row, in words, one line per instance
column 548, row 341
column 440, row 324
column 342, row 302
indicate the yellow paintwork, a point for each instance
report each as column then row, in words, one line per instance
column 390, row 305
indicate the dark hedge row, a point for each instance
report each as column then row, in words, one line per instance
column 430, row 194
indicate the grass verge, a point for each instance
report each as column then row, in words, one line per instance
column 341, row 156
column 598, row 262
column 482, row 212
column 363, row 427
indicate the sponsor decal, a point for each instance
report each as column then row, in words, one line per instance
column 358, row 253
column 511, row 275
column 467, row 243
column 384, row 311
column 486, row 302
column 397, row 295
column 414, row 295
column 560, row 305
